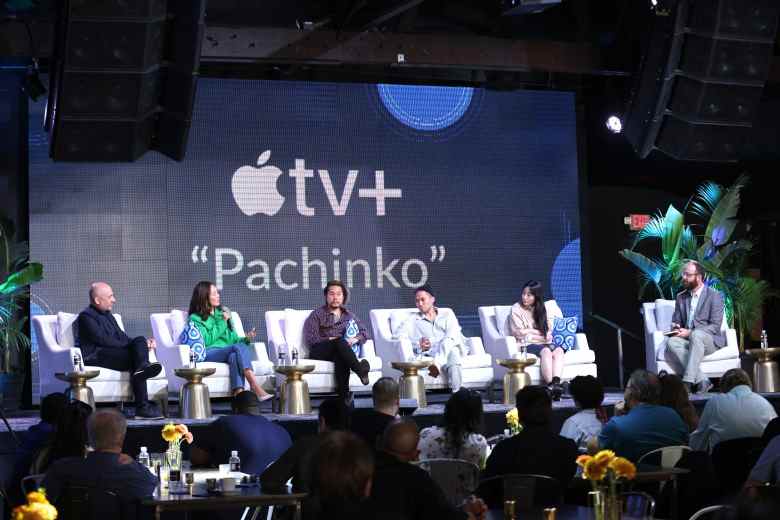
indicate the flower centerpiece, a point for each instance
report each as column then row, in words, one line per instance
column 36, row 508
column 606, row 473
column 513, row 421
column 173, row 434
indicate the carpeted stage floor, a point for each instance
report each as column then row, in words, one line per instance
column 147, row 432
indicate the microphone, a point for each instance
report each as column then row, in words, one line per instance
column 224, row 308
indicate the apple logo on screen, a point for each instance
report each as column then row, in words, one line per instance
column 254, row 189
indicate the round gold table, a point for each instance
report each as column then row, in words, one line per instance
column 411, row 384
column 78, row 389
column 194, row 399
column 515, row 377
column 766, row 375
column 294, row 392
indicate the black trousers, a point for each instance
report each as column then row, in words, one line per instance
column 127, row 358
column 340, row 353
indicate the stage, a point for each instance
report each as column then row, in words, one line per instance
column 147, row 432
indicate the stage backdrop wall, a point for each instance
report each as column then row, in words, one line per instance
column 289, row 184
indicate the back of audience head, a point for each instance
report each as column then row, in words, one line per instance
column 107, row 429
column 333, row 415
column 733, row 378
column 245, row 403
column 462, row 416
column 643, row 387
column 344, row 469
column 52, row 406
column 534, row 406
column 70, row 437
column 386, row 395
column 401, row 438
column 674, row 395
column 587, row 392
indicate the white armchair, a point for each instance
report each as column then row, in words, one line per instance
column 56, row 348
column 167, row 327
column 658, row 318
column 579, row 361
column 476, row 367
column 285, row 333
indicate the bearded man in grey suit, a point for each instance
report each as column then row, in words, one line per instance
column 696, row 327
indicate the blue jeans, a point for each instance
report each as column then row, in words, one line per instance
column 238, row 359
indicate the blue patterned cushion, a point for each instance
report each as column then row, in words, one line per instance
column 352, row 331
column 564, row 332
column 191, row 336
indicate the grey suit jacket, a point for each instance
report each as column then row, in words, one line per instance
column 708, row 315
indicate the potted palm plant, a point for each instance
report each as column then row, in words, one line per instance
column 17, row 273
column 717, row 241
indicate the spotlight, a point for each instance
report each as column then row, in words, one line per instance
column 614, row 124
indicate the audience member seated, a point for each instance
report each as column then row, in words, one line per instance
column 536, row 449
column 460, row 437
column 296, row 462
column 69, row 440
column 222, row 344
column 406, row 491
column 771, row 431
column 756, row 503
column 370, row 424
column 106, row 468
column 103, row 343
column 259, row 441
column 531, row 323
column 436, row 333
column 675, row 396
column 737, row 412
column 767, row 469
column 343, row 470
column 588, row 394
column 642, row 425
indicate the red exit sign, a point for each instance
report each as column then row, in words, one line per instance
column 636, row 222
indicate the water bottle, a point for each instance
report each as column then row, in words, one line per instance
column 235, row 462
column 764, row 340
column 143, row 457
column 193, row 361
column 295, row 356
column 78, row 364
column 282, row 359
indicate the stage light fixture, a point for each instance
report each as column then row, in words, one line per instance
column 614, row 124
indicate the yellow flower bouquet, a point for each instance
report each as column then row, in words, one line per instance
column 513, row 421
column 36, row 508
column 606, row 473
column 173, row 434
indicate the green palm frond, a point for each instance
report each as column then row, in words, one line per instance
column 653, row 229
column 673, row 232
column 724, row 217
column 708, row 194
column 748, row 301
column 650, row 271
column 725, row 253
column 688, row 243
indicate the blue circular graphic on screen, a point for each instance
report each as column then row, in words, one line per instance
column 566, row 280
column 424, row 107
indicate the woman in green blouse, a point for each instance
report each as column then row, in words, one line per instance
column 222, row 344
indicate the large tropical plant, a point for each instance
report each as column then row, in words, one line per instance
column 17, row 273
column 713, row 243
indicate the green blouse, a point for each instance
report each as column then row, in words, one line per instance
column 215, row 330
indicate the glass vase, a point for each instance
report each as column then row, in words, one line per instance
column 173, row 456
column 613, row 507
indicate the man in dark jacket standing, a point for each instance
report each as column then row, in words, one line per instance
column 103, row 343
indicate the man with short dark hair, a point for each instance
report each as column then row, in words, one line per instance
column 404, row 490
column 106, row 468
column 537, row 449
column 437, row 334
column 259, row 441
column 642, row 425
column 333, row 333
column 734, row 413
column 103, row 343
column 297, row 461
column 696, row 323
column 369, row 424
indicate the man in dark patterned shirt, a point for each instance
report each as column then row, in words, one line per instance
column 328, row 334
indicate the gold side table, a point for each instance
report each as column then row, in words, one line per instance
column 78, row 389
column 194, row 399
column 294, row 391
column 515, row 377
column 411, row 384
column 766, row 374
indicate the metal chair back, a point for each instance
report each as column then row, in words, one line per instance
column 709, row 512
column 527, row 490
column 31, row 483
column 457, row 478
column 637, row 504
column 666, row 457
